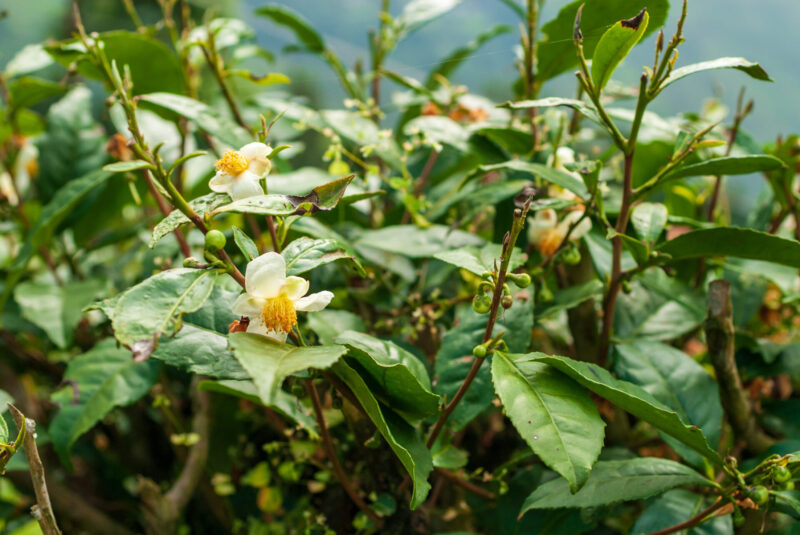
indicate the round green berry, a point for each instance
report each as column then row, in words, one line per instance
column 759, row 494
column 787, row 485
column 572, row 256
column 482, row 303
column 479, row 351
column 215, row 240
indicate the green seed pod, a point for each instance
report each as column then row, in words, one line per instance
column 788, row 485
column 482, row 303
column 571, row 256
column 781, row 474
column 523, row 280
column 215, row 240
column 759, row 494
column 507, row 301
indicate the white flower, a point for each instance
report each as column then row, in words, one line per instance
column 239, row 171
column 271, row 299
column 546, row 232
column 562, row 156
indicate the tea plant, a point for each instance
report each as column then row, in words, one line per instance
column 227, row 311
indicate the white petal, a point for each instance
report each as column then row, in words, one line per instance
column 245, row 185
column 295, row 287
column 247, row 305
column 579, row 231
column 564, row 155
column 543, row 221
column 256, row 154
column 314, row 302
column 265, row 275
column 221, row 182
column 257, row 327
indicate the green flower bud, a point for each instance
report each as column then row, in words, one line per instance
column 626, row 286
column 482, row 303
column 215, row 240
column 523, row 280
column 781, row 474
column 571, row 256
column 545, row 295
column 788, row 485
column 479, row 351
column 507, row 301
column 191, row 262
column 338, row 168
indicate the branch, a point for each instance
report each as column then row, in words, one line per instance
column 43, row 510
column 696, row 520
column 466, row 485
column 720, row 339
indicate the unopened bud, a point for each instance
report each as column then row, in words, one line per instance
column 215, row 240
column 482, row 303
column 523, row 280
column 479, row 351
column 192, row 262
column 507, row 301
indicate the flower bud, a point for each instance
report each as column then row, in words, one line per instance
column 215, row 240
column 787, row 485
column 759, row 494
column 507, row 301
column 571, row 256
column 338, row 168
column 191, row 262
column 781, row 474
column 482, row 303
column 544, row 294
column 479, row 351
column 523, row 280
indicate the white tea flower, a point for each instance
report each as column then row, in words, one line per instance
column 239, row 171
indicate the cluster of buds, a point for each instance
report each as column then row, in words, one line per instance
column 482, row 302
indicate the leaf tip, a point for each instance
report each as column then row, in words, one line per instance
column 635, row 22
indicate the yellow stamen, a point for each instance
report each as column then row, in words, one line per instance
column 550, row 241
column 279, row 314
column 232, row 162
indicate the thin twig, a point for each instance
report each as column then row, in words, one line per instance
column 165, row 210
column 466, row 485
column 331, row 453
column 43, row 510
column 696, row 520
column 212, row 57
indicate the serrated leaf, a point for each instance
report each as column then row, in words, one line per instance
column 100, row 380
column 418, row 13
column 554, row 415
column 548, row 174
column 728, row 165
column 5, row 399
column 396, row 377
column 201, row 351
column 614, row 46
column 63, row 202
column 616, row 481
column 733, row 241
column 477, row 260
column 754, row 70
column 269, row 362
column 552, row 102
column 245, row 244
column 677, row 506
column 206, row 118
column 305, row 254
column 633, row 399
column 321, row 198
column 201, row 205
column 301, row 27
column 648, row 220
column 125, row 167
column 154, row 307
column 26, row 91
column 404, row 440
column 415, row 242
column 328, row 324
column 570, row 297
column 285, row 404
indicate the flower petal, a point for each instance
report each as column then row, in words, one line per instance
column 265, row 275
column 257, row 327
column 248, row 305
column 256, row 154
column 295, row 287
column 221, row 182
column 314, row 302
column 543, row 221
column 245, row 185
column 579, row 231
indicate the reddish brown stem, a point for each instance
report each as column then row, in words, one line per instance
column 331, row 453
column 164, row 208
column 692, row 522
column 466, row 485
column 272, row 234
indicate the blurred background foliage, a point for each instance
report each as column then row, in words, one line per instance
column 758, row 30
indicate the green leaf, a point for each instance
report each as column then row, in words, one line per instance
column 201, row 205
column 57, row 309
column 155, row 307
column 616, row 481
column 570, row 298
column 585, row 108
column 454, row 359
column 548, row 174
column 73, row 144
column 415, row 242
column 153, row 66
column 440, row 130
column 787, row 502
column 634, row 400
column 556, row 417
column 396, row 377
column 512, row 140
column 321, row 198
column 100, row 380
column 648, row 220
column 26, row 91
column 269, row 362
column 418, row 13
column 301, row 27
column 5, row 399
column 404, row 440
column 125, row 167
column 728, row 165
column 305, row 254
column 328, row 324
column 206, row 118
column 677, row 381
column 63, row 202
column 451, row 62
column 285, row 404
column 30, row 58
column 733, row 241
column 754, row 70
column 477, row 260
column 245, row 244
column 615, row 45
column 677, row 506
column 201, row 351
column 271, row 78
column 556, row 53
